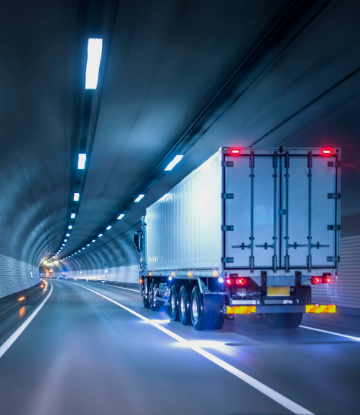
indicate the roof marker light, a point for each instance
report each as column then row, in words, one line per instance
column 235, row 151
column 72, row 216
column 173, row 163
column 121, row 215
column 139, row 198
column 109, row 227
column 81, row 161
column 93, row 63
column 100, row 235
column 327, row 151
column 76, row 197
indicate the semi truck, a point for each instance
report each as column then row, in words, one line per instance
column 251, row 231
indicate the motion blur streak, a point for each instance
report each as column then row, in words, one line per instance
column 277, row 397
column 8, row 343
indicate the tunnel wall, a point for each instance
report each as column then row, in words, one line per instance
column 16, row 275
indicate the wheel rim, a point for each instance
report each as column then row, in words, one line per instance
column 173, row 303
column 195, row 311
column 182, row 306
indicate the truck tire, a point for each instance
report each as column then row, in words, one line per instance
column 173, row 304
column 146, row 302
column 152, row 300
column 215, row 321
column 293, row 320
column 198, row 316
column 184, row 308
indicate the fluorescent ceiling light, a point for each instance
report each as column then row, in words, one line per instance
column 109, row 227
column 100, row 235
column 81, row 161
column 173, row 163
column 76, row 197
column 67, row 234
column 121, row 216
column 93, row 63
column 138, row 198
column 70, row 227
column 84, row 247
column 94, row 240
column 65, row 240
column 72, row 216
column 88, row 245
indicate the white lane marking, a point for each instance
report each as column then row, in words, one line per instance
column 9, row 342
column 122, row 288
column 333, row 333
column 277, row 397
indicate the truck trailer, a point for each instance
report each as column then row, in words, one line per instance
column 250, row 231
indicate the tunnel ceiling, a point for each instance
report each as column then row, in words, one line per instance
column 176, row 77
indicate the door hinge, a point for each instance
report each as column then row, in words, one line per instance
column 334, row 195
column 227, row 195
column 333, row 227
column 333, row 259
column 227, row 228
column 227, row 260
column 251, row 160
column 241, row 246
column 334, row 164
column 227, row 164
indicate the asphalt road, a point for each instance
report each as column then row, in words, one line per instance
column 85, row 353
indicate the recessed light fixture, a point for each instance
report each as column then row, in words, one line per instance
column 67, row 234
column 121, row 215
column 76, row 197
column 100, row 235
column 72, row 216
column 84, row 247
column 173, row 163
column 81, row 161
column 70, row 227
column 94, row 240
column 109, row 227
column 88, row 245
column 93, row 63
column 65, row 240
column 139, row 198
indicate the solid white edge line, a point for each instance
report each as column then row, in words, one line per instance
column 122, row 288
column 277, row 397
column 9, row 342
column 333, row 333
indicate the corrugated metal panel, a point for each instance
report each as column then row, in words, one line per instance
column 345, row 290
column 184, row 226
column 15, row 276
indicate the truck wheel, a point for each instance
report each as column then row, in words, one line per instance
column 198, row 317
column 293, row 320
column 173, row 304
column 215, row 321
column 184, row 312
column 146, row 302
column 152, row 300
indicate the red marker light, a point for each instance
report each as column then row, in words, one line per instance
column 228, row 281
column 316, row 280
column 235, row 151
column 326, row 280
column 241, row 281
column 327, row 151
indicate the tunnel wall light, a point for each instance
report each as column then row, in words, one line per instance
column 109, row 227
column 121, row 216
column 70, row 227
column 67, row 234
column 76, row 197
column 173, row 163
column 100, row 235
column 139, row 198
column 72, row 216
column 93, row 240
column 93, row 63
column 81, row 161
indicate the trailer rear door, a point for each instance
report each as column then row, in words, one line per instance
column 281, row 211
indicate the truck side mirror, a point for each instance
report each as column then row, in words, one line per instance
column 138, row 241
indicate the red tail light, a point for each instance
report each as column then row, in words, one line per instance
column 326, row 280
column 327, row 151
column 240, row 281
column 228, row 281
column 316, row 280
column 235, row 151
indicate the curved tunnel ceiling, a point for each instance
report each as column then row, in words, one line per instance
column 180, row 77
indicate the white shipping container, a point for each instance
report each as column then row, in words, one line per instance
column 257, row 210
